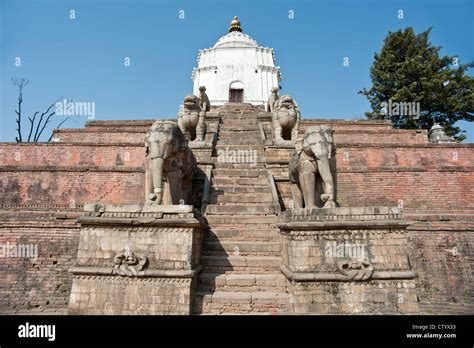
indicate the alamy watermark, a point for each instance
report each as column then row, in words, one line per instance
column 401, row 109
column 237, row 156
column 356, row 251
column 71, row 108
column 28, row 330
column 12, row 250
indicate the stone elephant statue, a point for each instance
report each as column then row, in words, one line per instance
column 312, row 169
column 286, row 118
column 169, row 160
column 192, row 118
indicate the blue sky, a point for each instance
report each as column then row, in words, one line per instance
column 83, row 59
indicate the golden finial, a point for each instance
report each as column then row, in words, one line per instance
column 235, row 25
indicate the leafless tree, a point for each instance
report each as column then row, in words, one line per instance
column 20, row 83
column 36, row 126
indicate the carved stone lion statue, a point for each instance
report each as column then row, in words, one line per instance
column 191, row 119
column 286, row 118
column 168, row 159
column 312, row 169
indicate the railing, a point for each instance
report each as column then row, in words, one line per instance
column 205, row 190
column 263, row 137
column 275, row 200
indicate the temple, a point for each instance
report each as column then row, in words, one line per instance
column 236, row 69
column 237, row 204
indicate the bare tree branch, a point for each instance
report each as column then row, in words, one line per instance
column 36, row 136
column 36, row 129
column 32, row 124
column 20, row 83
column 59, row 125
column 48, row 118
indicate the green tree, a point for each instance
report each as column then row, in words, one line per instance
column 409, row 69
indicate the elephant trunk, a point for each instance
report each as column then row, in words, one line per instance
column 158, row 179
column 323, row 155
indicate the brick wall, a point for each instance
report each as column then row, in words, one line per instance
column 377, row 165
column 43, row 284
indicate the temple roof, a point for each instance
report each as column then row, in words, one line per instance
column 235, row 37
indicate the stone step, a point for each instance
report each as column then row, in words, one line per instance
column 240, row 141
column 210, row 282
column 219, row 164
column 239, row 198
column 243, row 160
column 240, row 120
column 237, row 302
column 264, row 233
column 239, row 125
column 240, row 248
column 239, row 172
column 238, row 209
column 240, row 264
column 229, row 181
column 240, row 189
column 257, row 147
column 231, row 132
column 252, row 221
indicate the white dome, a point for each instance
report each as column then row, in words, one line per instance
column 236, row 39
column 236, row 68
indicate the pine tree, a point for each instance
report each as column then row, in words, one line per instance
column 410, row 69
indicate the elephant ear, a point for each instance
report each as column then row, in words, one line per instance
column 315, row 139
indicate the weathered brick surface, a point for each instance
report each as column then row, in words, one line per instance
column 372, row 297
column 441, row 254
column 72, row 186
column 43, row 284
column 131, row 295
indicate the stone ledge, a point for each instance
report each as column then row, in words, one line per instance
column 177, row 222
column 149, row 273
column 141, row 215
column 319, row 276
column 320, row 225
column 27, row 168
column 342, row 216
column 138, row 208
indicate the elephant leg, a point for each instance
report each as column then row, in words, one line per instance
column 297, row 197
column 157, row 168
column 184, row 129
column 328, row 183
column 308, row 187
column 175, row 185
column 278, row 131
column 201, row 128
column 294, row 131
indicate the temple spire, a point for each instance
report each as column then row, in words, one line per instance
column 235, row 25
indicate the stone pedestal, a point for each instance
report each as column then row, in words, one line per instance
column 136, row 259
column 347, row 260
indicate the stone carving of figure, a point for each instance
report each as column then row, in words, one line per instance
column 189, row 116
column 205, row 106
column 311, row 166
column 129, row 264
column 286, row 118
column 272, row 99
column 168, row 158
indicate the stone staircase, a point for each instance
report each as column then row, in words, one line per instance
column 241, row 250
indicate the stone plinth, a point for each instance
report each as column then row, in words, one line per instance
column 347, row 260
column 136, row 259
